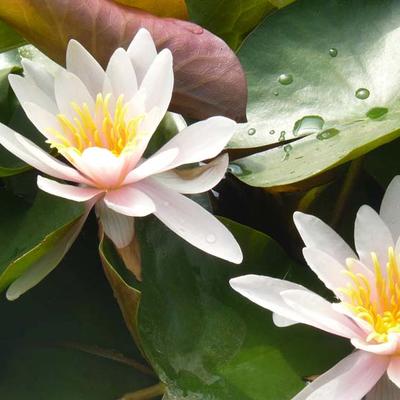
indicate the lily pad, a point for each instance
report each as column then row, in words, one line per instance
column 204, row 340
column 315, row 69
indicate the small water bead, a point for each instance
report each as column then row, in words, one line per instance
column 272, row 132
column 333, row 52
column 328, row 134
column 285, row 79
column 287, row 149
column 282, row 136
column 362, row 93
column 210, row 238
column 251, row 131
column 275, row 92
column 377, row 112
column 235, row 169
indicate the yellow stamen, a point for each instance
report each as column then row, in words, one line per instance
column 378, row 307
column 100, row 128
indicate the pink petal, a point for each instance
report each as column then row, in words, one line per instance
column 319, row 313
column 386, row 348
column 394, row 371
column 315, row 233
column 131, row 201
column 390, row 207
column 75, row 193
column 350, row 379
column 118, row 227
column 157, row 163
column 202, row 140
column 195, row 180
column 190, row 221
column 36, row 157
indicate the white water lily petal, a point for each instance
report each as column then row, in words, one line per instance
column 282, row 322
column 371, row 234
column 36, row 157
column 130, row 201
column 385, row 348
column 49, row 261
column 157, row 163
column 315, row 233
column 384, row 389
column 74, row 193
column 192, row 222
column 158, row 83
column 40, row 76
column 81, row 63
column 329, row 271
column 319, row 313
column 121, row 75
column 70, row 89
column 350, row 379
column 195, row 180
column 100, row 165
column 142, row 53
column 390, row 207
column 118, row 227
column 393, row 370
column 202, row 140
column 266, row 292
column 27, row 91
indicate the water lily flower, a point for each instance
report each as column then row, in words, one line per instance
column 366, row 284
column 101, row 122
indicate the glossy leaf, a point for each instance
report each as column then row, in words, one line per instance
column 162, row 8
column 28, row 232
column 231, row 20
column 9, row 39
column 205, row 340
column 66, row 339
column 317, row 69
column 208, row 76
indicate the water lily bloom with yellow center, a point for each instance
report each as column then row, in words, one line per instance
column 101, row 123
column 367, row 311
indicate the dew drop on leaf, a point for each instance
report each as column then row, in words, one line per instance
column 377, row 112
column 235, row 169
column 308, row 124
column 272, row 132
column 282, row 136
column 285, row 79
column 328, row 134
column 251, row 131
column 362, row 93
column 287, row 149
column 333, row 52
column 275, row 93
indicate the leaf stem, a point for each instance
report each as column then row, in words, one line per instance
column 348, row 184
column 146, row 394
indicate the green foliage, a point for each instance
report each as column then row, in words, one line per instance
column 9, row 39
column 306, row 67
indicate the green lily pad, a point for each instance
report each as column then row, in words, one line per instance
column 66, row 339
column 231, row 20
column 315, row 69
column 29, row 232
column 207, row 342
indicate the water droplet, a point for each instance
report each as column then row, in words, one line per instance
column 329, row 133
column 211, row 238
column 282, row 136
column 287, row 149
column 308, row 124
column 272, row 132
column 251, row 131
column 333, row 52
column 362, row 93
column 275, row 92
column 285, row 79
column 235, row 169
column 377, row 112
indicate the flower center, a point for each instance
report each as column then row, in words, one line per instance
column 99, row 128
column 376, row 302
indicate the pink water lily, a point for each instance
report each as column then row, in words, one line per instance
column 366, row 284
column 101, row 123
